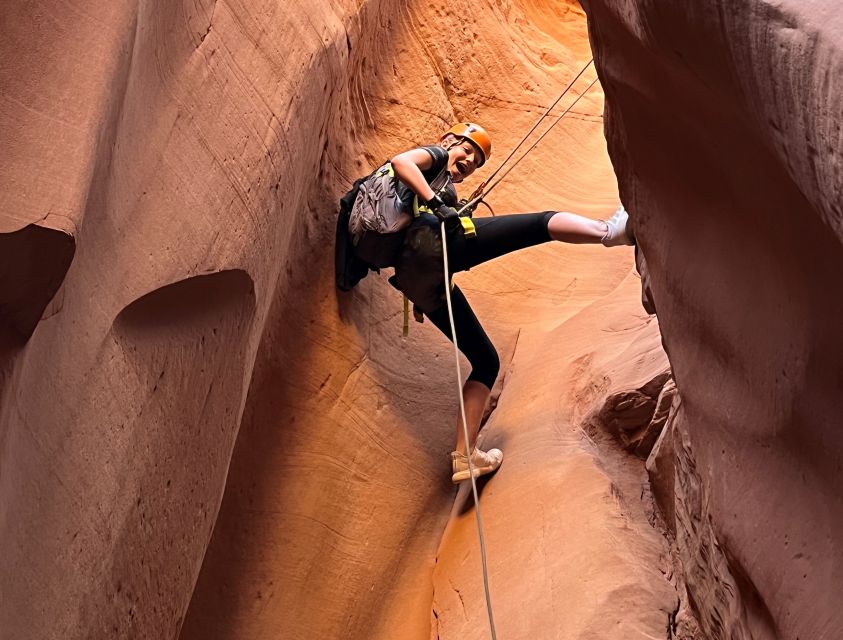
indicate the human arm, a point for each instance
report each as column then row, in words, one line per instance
column 409, row 167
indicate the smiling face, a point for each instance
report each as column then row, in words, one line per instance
column 463, row 158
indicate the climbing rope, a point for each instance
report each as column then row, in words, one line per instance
column 541, row 137
column 540, row 120
column 465, row 435
column 477, row 197
column 481, row 192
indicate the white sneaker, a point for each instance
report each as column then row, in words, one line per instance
column 617, row 234
column 484, row 462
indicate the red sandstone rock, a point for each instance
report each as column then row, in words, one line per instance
column 197, row 346
column 352, row 533
column 725, row 124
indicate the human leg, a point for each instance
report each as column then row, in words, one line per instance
column 576, row 229
column 499, row 235
column 475, row 395
column 485, row 364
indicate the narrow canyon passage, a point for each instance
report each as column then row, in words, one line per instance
column 202, row 439
column 338, row 495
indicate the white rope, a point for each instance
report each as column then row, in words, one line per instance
column 483, row 191
column 541, row 137
column 540, row 120
column 465, row 434
column 454, row 331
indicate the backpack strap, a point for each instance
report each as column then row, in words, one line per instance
column 438, row 184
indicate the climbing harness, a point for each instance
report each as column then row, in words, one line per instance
column 472, row 202
column 466, row 222
column 468, row 229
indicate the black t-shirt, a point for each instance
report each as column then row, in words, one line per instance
column 448, row 192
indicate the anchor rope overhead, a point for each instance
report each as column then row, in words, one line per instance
column 482, row 191
column 541, row 137
column 540, row 120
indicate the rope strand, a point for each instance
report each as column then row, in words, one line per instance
column 465, row 434
column 541, row 137
column 539, row 121
column 473, row 201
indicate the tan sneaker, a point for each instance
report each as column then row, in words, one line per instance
column 484, row 462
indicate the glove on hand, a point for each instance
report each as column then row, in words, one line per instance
column 446, row 214
column 443, row 212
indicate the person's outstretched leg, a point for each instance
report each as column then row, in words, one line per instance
column 485, row 364
column 500, row 235
column 576, row 229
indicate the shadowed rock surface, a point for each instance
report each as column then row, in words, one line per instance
column 724, row 125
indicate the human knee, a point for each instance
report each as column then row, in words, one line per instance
column 485, row 370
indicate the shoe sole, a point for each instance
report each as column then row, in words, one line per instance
column 462, row 476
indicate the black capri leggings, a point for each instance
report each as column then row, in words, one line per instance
column 418, row 273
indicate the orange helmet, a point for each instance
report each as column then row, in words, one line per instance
column 475, row 134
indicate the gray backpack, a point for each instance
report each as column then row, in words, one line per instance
column 378, row 207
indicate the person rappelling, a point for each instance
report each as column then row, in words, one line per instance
column 392, row 218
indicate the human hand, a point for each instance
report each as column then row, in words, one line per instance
column 445, row 213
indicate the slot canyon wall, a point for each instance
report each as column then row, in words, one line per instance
column 199, row 438
column 725, row 125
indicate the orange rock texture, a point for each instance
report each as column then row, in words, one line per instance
column 725, row 126
column 200, row 438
